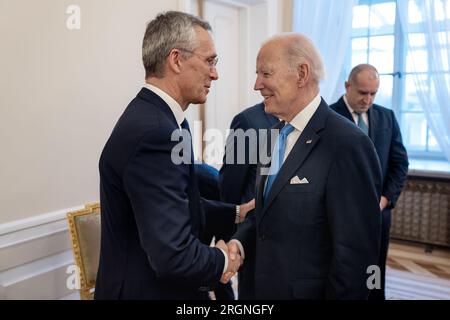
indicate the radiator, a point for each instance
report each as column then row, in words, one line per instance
column 422, row 213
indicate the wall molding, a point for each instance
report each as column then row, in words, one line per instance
column 35, row 253
column 35, row 268
column 23, row 230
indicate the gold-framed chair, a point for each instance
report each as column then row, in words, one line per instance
column 84, row 228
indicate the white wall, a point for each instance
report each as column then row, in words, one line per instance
column 61, row 92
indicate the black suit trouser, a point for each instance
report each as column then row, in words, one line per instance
column 379, row 294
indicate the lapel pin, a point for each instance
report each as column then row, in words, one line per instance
column 308, row 141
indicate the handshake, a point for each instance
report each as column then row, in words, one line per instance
column 235, row 259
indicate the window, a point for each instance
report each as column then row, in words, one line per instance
column 402, row 61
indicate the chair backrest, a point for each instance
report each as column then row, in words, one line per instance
column 84, row 227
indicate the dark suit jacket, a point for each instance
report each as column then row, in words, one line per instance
column 208, row 178
column 385, row 135
column 316, row 240
column 237, row 181
column 208, row 183
column 153, row 241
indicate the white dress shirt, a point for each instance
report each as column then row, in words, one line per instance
column 171, row 102
column 299, row 123
column 179, row 117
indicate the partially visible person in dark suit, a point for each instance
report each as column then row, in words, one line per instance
column 208, row 184
column 237, row 179
column 381, row 126
column 154, row 228
column 316, row 224
column 208, row 178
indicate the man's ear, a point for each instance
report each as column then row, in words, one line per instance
column 304, row 73
column 347, row 85
column 174, row 60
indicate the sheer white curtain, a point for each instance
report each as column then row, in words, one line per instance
column 329, row 25
column 426, row 22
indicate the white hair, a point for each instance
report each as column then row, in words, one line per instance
column 301, row 49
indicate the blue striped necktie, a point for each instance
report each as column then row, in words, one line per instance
column 277, row 157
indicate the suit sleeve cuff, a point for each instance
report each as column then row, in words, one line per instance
column 225, row 265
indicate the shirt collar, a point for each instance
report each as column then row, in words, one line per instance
column 302, row 118
column 348, row 106
column 173, row 105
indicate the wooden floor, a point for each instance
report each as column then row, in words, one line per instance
column 413, row 273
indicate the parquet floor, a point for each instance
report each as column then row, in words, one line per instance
column 414, row 274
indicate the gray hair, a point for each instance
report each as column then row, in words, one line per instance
column 359, row 68
column 169, row 30
column 301, row 49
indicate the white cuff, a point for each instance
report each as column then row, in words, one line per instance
column 241, row 248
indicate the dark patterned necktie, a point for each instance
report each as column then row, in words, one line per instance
column 361, row 124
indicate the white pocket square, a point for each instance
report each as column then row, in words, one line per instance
column 296, row 180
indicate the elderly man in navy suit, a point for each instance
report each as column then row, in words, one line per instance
column 316, row 225
column 382, row 128
column 156, row 229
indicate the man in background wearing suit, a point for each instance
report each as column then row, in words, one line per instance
column 208, row 185
column 208, row 181
column 237, row 180
column 154, row 228
column 382, row 128
column 316, row 224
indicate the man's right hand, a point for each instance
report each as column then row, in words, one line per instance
column 234, row 261
column 233, row 250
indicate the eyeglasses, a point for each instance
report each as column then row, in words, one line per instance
column 212, row 62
